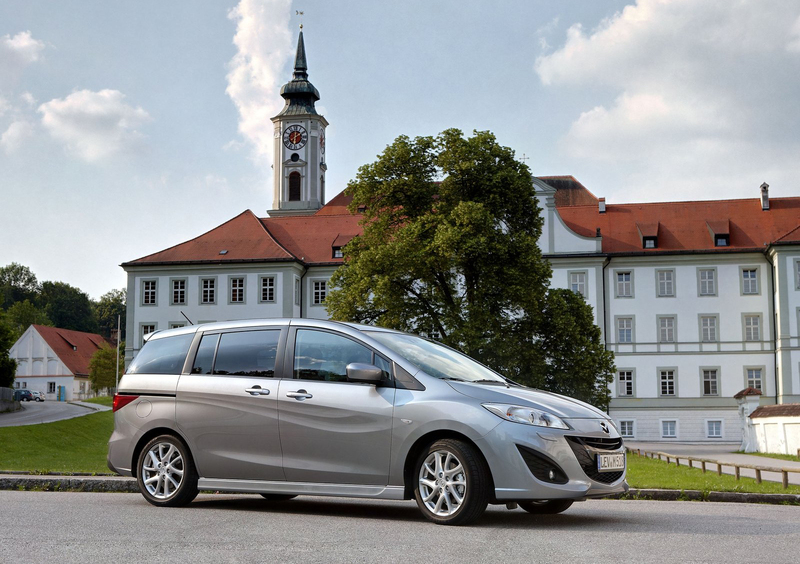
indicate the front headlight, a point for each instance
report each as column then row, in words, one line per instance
column 526, row 415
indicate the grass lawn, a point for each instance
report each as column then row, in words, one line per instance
column 792, row 457
column 102, row 400
column 72, row 445
column 648, row 473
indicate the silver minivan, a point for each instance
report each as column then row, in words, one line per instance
column 292, row 407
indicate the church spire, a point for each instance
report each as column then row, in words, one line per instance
column 299, row 93
column 300, row 64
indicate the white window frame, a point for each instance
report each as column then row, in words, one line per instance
column 298, row 290
column 51, row 387
column 707, row 330
column 672, row 329
column 152, row 292
column 661, row 371
column 213, row 289
column 271, row 287
column 620, row 387
column 707, row 424
column 668, row 283
column 712, row 280
column 319, row 292
column 674, row 434
column 625, row 286
column 577, row 280
column 619, row 322
column 622, row 433
column 749, row 286
column 234, row 280
column 714, row 385
column 172, row 291
column 751, row 333
column 749, row 382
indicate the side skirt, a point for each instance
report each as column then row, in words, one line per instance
column 302, row 488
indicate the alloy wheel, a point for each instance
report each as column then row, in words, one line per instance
column 442, row 483
column 162, row 470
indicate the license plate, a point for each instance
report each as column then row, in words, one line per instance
column 610, row 462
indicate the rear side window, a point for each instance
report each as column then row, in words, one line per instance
column 244, row 353
column 162, row 356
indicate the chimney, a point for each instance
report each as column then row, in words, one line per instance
column 601, row 203
column 765, row 196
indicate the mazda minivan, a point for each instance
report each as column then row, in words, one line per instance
column 292, row 407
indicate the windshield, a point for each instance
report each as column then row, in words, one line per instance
column 435, row 359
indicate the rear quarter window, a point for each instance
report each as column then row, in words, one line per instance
column 162, row 356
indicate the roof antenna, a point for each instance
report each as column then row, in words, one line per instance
column 187, row 319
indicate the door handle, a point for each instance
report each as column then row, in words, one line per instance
column 257, row 391
column 299, row 395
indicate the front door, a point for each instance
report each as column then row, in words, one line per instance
column 332, row 430
column 227, row 406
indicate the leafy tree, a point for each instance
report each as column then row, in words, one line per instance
column 449, row 246
column 103, row 367
column 68, row 307
column 8, row 366
column 17, row 283
column 107, row 308
column 23, row 314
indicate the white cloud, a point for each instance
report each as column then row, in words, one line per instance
column 4, row 106
column 264, row 45
column 94, row 125
column 706, row 96
column 17, row 52
column 28, row 98
column 16, row 134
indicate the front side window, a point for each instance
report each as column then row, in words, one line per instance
column 577, row 282
column 162, row 356
column 179, row 292
column 710, row 382
column 244, row 353
column 324, row 356
column 708, row 329
column 750, row 281
column 208, row 291
column 625, row 330
column 754, row 378
column 626, row 428
column 708, row 282
column 666, row 283
column 752, row 328
column 268, row 289
column 666, row 329
column 667, row 382
column 624, row 285
column 625, row 382
column 714, row 429
column 237, row 290
column 149, row 292
column 669, row 429
column 320, row 291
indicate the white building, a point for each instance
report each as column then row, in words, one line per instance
column 697, row 300
column 55, row 361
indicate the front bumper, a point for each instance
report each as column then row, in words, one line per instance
column 573, row 452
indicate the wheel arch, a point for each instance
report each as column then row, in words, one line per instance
column 152, row 433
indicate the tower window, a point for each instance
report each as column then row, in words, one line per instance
column 294, row 187
column 295, row 157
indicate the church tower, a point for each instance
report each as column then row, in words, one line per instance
column 299, row 146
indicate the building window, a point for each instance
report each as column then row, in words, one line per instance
column 149, row 292
column 708, row 282
column 666, row 329
column 666, row 283
column 752, row 327
column 649, row 242
column 797, row 274
column 268, row 289
column 577, row 283
column 624, row 285
column 237, row 290
column 667, row 382
column 294, row 187
column 146, row 330
column 320, row 291
column 626, row 429
column 750, row 281
column 625, row 382
column 297, row 291
column 625, row 329
column 754, row 378
column 710, row 381
column 722, row 240
column 337, row 252
column 51, row 387
column 176, row 325
column 669, row 429
column 708, row 328
column 208, row 290
column 179, row 292
column 714, row 429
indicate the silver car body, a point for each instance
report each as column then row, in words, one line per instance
column 353, row 439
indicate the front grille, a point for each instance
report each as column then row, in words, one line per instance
column 541, row 466
column 584, row 449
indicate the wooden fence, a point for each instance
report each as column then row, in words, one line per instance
column 690, row 460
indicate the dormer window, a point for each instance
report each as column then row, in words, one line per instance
column 337, row 252
column 720, row 232
column 722, row 241
column 650, row 242
column 648, row 233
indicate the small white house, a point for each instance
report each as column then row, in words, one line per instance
column 55, row 361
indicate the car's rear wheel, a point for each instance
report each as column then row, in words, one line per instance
column 166, row 473
column 277, row 497
column 452, row 483
column 548, row 507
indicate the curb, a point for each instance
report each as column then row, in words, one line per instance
column 122, row 484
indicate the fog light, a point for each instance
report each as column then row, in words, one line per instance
column 551, row 475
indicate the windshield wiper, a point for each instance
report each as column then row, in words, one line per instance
column 487, row 380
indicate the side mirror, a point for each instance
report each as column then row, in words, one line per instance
column 360, row 372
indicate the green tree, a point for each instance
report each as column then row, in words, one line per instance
column 17, row 283
column 103, row 367
column 8, row 366
column 68, row 307
column 449, row 245
column 106, row 310
column 23, row 314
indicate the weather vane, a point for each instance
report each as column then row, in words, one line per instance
column 300, row 13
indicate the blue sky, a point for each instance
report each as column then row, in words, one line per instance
column 128, row 127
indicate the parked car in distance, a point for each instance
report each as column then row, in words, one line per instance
column 23, row 395
column 38, row 396
column 289, row 407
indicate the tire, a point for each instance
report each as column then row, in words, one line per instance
column 447, row 470
column 277, row 497
column 550, row 507
column 166, row 474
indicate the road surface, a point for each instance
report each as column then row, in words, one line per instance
column 33, row 412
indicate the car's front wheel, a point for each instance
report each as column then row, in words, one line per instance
column 548, row 507
column 453, row 483
column 166, row 473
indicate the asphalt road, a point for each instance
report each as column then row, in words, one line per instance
column 92, row 527
column 33, row 412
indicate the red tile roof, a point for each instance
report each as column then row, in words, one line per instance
column 780, row 410
column 748, row 391
column 73, row 348
column 570, row 192
column 686, row 226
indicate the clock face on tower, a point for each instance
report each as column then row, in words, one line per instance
column 295, row 137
